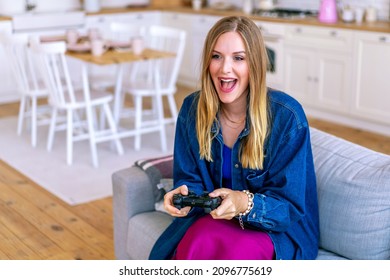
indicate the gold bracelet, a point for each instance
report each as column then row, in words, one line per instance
column 250, row 206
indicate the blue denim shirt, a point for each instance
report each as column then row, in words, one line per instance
column 285, row 202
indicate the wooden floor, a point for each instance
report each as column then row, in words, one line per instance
column 34, row 224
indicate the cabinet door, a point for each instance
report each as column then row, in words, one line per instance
column 299, row 74
column 332, row 81
column 7, row 86
column 372, row 76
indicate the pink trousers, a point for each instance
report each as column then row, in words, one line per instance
column 209, row 239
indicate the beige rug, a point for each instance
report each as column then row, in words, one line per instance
column 81, row 182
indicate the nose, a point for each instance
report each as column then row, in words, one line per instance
column 226, row 66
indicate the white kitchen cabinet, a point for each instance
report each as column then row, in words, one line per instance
column 318, row 67
column 371, row 93
column 318, row 78
column 7, row 85
column 102, row 21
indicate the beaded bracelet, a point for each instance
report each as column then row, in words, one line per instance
column 250, row 206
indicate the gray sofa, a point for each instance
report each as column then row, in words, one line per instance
column 353, row 192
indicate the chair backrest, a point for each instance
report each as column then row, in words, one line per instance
column 171, row 40
column 54, row 69
column 16, row 49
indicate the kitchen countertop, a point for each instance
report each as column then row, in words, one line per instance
column 378, row 26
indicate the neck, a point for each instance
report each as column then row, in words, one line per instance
column 233, row 118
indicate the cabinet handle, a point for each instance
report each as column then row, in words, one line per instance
column 333, row 33
column 383, row 39
column 298, row 30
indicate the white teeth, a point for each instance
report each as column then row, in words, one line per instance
column 227, row 80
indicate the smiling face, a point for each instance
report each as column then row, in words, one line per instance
column 229, row 69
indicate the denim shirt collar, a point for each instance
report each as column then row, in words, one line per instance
column 215, row 128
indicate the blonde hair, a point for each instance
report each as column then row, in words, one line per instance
column 252, row 148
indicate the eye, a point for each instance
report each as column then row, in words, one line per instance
column 239, row 58
column 215, row 56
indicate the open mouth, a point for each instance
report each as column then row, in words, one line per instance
column 228, row 84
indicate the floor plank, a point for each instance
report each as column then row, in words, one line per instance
column 13, row 245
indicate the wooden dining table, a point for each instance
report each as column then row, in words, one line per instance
column 113, row 56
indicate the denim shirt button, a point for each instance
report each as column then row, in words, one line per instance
column 236, row 165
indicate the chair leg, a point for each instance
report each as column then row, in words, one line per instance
column 113, row 128
column 69, row 136
column 34, row 121
column 138, row 122
column 92, row 139
column 22, row 109
column 52, row 128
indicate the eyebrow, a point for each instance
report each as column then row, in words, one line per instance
column 238, row 52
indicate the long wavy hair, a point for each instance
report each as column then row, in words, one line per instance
column 252, row 147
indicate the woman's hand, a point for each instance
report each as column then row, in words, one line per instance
column 168, row 202
column 233, row 203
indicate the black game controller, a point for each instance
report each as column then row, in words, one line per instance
column 203, row 201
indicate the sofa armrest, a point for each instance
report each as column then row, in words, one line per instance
column 129, row 185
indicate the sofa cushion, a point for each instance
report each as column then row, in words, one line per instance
column 353, row 196
column 160, row 173
column 143, row 231
column 326, row 255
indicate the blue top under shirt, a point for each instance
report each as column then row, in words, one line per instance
column 227, row 167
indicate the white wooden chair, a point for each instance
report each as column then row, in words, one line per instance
column 79, row 106
column 28, row 84
column 160, row 80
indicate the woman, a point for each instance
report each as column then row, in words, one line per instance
column 249, row 145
